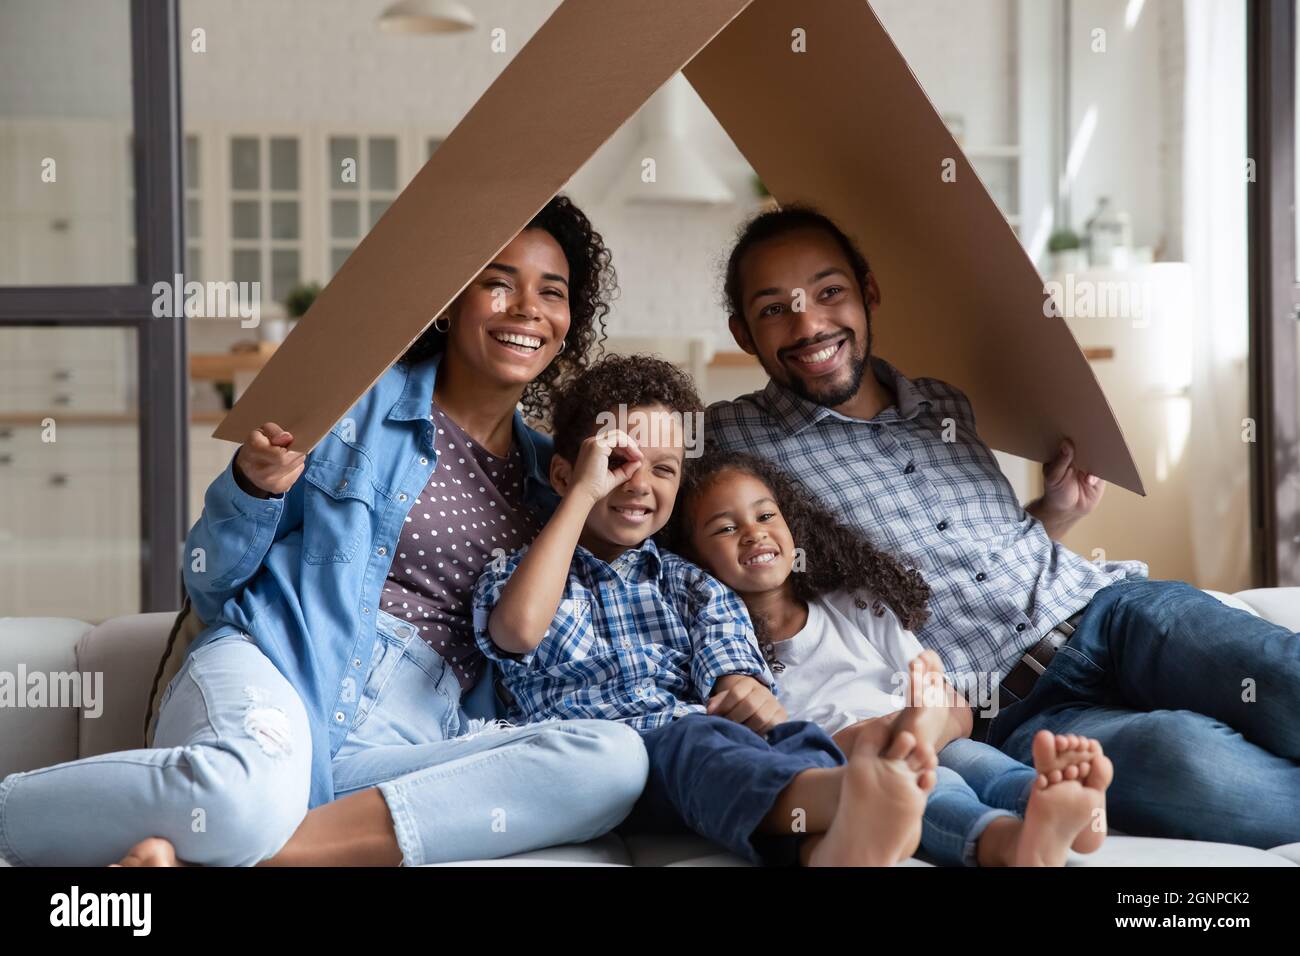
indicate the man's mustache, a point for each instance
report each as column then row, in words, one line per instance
column 804, row 343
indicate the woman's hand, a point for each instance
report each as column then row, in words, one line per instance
column 265, row 465
column 605, row 461
column 746, row 700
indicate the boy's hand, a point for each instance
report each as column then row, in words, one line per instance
column 746, row 700
column 605, row 461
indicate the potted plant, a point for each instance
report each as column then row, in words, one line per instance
column 300, row 298
column 1066, row 249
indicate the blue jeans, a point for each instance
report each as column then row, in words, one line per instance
column 719, row 779
column 1197, row 704
column 976, row 784
column 228, row 776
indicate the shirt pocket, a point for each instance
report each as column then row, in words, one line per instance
column 338, row 504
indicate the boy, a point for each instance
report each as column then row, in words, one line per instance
column 594, row 620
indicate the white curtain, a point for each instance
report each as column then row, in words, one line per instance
column 1214, row 245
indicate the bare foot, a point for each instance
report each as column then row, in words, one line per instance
column 1061, row 808
column 878, row 822
column 1100, row 773
column 155, row 851
column 926, row 714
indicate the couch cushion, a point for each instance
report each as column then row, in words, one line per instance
column 1279, row 605
column 606, row 851
column 1150, row 851
column 38, row 737
column 126, row 650
column 1290, row 852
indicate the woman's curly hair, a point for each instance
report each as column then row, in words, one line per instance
column 837, row 557
column 593, row 284
column 633, row 381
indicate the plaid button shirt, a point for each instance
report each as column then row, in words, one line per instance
column 998, row 582
column 641, row 639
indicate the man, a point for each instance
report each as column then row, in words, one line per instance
column 1198, row 704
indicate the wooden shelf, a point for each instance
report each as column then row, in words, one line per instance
column 223, row 366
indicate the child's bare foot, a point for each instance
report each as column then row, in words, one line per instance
column 1098, row 777
column 926, row 713
column 878, row 822
column 155, row 851
column 1061, row 809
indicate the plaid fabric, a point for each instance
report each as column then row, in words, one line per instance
column 641, row 639
column 919, row 481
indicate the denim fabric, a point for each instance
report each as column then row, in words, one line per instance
column 303, row 573
column 719, row 779
column 227, row 782
column 1197, row 704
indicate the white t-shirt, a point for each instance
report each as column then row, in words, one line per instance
column 847, row 664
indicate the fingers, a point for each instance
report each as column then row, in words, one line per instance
column 615, row 438
column 1055, row 470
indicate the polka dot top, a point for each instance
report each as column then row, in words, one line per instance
column 472, row 506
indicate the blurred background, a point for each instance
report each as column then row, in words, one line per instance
column 1112, row 134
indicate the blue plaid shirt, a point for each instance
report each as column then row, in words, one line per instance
column 642, row 640
column 998, row 582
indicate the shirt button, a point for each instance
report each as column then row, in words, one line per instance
column 424, row 461
column 343, row 484
column 381, row 550
column 980, row 576
column 365, row 610
column 626, row 642
column 338, row 717
column 909, row 469
column 356, row 662
column 1020, row 627
column 942, row 526
column 401, row 497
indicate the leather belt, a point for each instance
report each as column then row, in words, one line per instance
column 1032, row 664
column 1035, row 661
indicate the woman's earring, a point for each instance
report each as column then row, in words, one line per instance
column 442, row 323
column 563, row 345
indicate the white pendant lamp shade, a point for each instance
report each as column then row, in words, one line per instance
column 427, row 16
column 681, row 175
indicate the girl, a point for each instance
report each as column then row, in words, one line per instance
column 338, row 668
column 834, row 615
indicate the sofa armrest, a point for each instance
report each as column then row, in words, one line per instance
column 1279, row 605
column 32, row 737
column 126, row 651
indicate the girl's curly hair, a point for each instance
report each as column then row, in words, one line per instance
column 838, row 557
column 593, row 284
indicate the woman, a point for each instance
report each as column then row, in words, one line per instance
column 338, row 671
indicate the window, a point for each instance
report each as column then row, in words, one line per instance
column 265, row 212
column 193, row 210
column 361, row 188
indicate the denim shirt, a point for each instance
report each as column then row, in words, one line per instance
column 302, row 573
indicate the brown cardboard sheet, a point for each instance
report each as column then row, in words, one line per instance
column 590, row 67
column 844, row 125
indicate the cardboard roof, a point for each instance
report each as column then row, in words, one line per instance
column 844, row 125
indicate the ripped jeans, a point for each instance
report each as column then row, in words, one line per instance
column 227, row 778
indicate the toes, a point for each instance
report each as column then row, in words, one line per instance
column 904, row 743
column 926, row 780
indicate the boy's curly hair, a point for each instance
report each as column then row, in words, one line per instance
column 628, row 380
column 838, row 557
column 592, row 286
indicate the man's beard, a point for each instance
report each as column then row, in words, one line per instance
column 832, row 395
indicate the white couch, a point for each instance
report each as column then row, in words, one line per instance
column 126, row 651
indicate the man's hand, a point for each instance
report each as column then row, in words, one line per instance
column 1068, row 493
column 746, row 700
